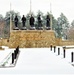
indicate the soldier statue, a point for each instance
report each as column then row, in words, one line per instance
column 39, row 22
column 23, row 20
column 16, row 21
column 47, row 21
column 31, row 21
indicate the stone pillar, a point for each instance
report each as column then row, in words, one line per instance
column 10, row 23
column 10, row 18
column 51, row 21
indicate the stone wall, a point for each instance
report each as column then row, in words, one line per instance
column 3, row 42
column 32, row 38
column 66, row 42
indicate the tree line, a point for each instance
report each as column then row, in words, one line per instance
column 61, row 26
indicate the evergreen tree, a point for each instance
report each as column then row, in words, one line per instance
column 54, row 23
column 63, row 25
column 7, row 22
column 13, row 14
column 70, row 32
column 1, row 17
column 72, row 23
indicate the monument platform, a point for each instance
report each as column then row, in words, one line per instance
column 31, row 38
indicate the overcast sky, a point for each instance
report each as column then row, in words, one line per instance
column 23, row 6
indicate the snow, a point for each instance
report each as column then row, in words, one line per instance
column 40, row 61
column 4, row 54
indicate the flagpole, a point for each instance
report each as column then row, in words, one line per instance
column 50, row 8
column 51, row 15
column 30, row 7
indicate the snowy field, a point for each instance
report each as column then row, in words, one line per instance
column 39, row 61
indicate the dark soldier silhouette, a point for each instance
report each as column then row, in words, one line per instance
column 32, row 20
column 16, row 21
column 23, row 20
column 39, row 21
column 47, row 21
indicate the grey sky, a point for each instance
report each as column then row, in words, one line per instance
column 23, row 6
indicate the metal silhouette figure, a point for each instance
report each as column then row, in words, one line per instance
column 39, row 22
column 47, row 21
column 16, row 21
column 23, row 20
column 32, row 20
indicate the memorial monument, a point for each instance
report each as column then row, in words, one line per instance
column 31, row 38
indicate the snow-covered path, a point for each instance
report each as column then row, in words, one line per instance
column 39, row 61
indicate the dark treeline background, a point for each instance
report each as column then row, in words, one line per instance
column 63, row 29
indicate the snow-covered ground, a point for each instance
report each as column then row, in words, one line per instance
column 40, row 61
column 6, row 55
